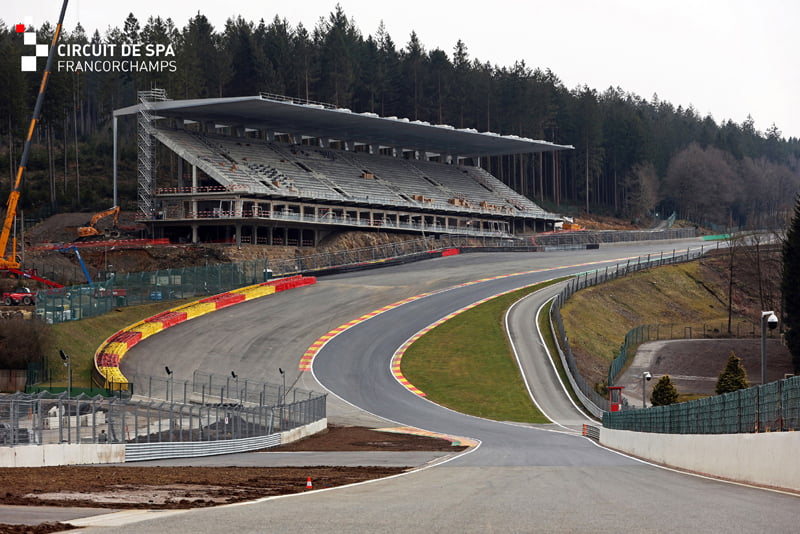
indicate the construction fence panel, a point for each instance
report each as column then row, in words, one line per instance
column 772, row 407
column 171, row 415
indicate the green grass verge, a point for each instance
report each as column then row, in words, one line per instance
column 467, row 365
column 80, row 339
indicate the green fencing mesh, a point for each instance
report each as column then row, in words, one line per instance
column 773, row 407
column 78, row 302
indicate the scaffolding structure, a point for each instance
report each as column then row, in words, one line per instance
column 146, row 161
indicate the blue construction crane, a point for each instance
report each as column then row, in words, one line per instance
column 73, row 248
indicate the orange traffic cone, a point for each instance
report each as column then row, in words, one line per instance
column 308, row 484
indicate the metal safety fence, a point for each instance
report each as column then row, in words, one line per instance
column 205, row 388
column 592, row 399
column 773, row 407
column 655, row 332
column 47, row 418
column 592, row 237
column 129, row 289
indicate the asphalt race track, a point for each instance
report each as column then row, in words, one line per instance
column 521, row 478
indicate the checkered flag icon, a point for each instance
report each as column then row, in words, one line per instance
column 28, row 63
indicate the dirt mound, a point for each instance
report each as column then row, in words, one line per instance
column 352, row 240
column 63, row 227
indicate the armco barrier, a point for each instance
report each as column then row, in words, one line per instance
column 115, row 347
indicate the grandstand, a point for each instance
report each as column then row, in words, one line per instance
column 271, row 170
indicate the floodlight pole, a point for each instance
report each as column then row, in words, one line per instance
column 68, row 365
column 283, row 395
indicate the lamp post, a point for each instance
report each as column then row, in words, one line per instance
column 170, row 392
column 68, row 365
column 646, row 376
column 283, row 395
column 768, row 319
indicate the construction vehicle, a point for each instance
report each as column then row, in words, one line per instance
column 90, row 229
column 567, row 224
column 9, row 258
column 21, row 295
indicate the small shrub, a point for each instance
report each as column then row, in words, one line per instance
column 664, row 392
column 733, row 377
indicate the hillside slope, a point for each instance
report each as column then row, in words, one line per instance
column 687, row 296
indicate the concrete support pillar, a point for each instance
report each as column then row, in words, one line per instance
column 195, row 234
column 194, row 189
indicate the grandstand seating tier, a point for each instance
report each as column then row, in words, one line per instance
column 279, row 169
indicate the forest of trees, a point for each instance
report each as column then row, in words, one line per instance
column 633, row 156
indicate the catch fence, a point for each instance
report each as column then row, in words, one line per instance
column 128, row 289
column 596, row 237
column 156, row 414
column 772, row 407
column 655, row 332
column 596, row 403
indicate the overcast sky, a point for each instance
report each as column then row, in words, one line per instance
column 726, row 58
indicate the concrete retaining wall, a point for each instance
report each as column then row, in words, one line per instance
column 766, row 459
column 63, row 454
column 304, row 431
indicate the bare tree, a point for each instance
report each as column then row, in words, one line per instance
column 641, row 190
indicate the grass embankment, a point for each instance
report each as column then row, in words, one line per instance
column 466, row 364
column 597, row 319
column 80, row 339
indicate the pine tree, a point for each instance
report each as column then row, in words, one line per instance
column 664, row 392
column 790, row 286
column 733, row 377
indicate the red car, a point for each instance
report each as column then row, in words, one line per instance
column 21, row 295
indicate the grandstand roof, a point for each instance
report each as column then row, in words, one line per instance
column 285, row 115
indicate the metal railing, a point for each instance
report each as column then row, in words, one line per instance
column 592, row 237
column 596, row 403
column 772, row 407
column 128, row 289
column 654, row 332
column 155, row 414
